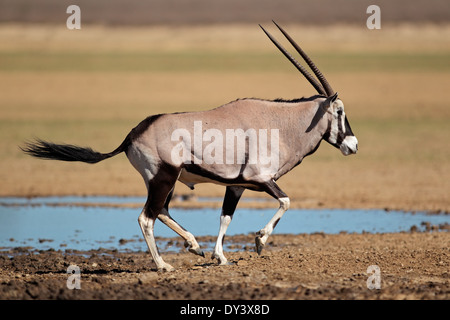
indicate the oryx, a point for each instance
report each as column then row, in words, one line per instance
column 165, row 148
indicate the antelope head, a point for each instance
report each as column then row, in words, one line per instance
column 339, row 134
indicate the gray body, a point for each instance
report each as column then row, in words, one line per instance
column 291, row 119
column 271, row 138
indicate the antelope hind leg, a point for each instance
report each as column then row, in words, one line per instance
column 147, row 223
column 190, row 242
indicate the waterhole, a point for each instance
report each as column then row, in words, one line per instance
column 85, row 223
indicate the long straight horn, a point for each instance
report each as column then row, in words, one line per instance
column 299, row 67
column 329, row 91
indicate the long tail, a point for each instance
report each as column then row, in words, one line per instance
column 66, row 152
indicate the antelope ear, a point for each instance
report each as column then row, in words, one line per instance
column 328, row 102
column 321, row 111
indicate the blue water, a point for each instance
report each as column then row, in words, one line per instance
column 39, row 224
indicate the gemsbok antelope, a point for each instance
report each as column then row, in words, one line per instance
column 227, row 145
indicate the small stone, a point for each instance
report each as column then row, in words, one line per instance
column 242, row 263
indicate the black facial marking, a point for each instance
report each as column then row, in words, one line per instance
column 341, row 135
column 348, row 130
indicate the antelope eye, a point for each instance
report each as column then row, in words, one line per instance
column 339, row 112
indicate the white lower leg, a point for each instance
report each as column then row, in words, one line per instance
column 264, row 233
column 146, row 225
column 218, row 249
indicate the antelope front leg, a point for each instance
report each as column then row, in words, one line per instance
column 264, row 233
column 232, row 196
column 218, row 249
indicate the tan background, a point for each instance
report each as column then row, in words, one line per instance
column 91, row 86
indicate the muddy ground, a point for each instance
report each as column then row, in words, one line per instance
column 412, row 265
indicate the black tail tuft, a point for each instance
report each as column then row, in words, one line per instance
column 66, row 152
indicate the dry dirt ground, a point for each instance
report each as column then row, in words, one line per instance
column 318, row 266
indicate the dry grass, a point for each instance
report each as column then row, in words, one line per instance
column 91, row 87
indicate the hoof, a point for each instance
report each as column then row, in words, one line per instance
column 197, row 251
column 222, row 261
column 166, row 268
column 259, row 245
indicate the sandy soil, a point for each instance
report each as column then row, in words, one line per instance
column 318, row 266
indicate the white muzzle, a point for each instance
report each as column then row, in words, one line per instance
column 349, row 145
